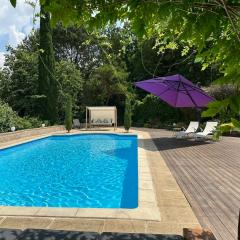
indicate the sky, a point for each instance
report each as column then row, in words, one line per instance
column 15, row 24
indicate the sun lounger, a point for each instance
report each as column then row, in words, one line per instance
column 76, row 123
column 192, row 128
column 208, row 130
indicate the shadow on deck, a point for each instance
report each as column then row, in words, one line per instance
column 166, row 143
column 208, row 174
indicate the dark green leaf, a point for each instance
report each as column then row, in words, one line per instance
column 13, row 2
column 235, row 104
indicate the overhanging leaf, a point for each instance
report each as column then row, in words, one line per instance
column 14, row 3
column 236, row 123
column 42, row 2
column 210, row 112
column 215, row 107
column 235, row 104
column 226, row 127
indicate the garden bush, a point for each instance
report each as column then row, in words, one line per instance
column 151, row 112
column 9, row 118
column 220, row 92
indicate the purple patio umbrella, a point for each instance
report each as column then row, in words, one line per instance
column 177, row 91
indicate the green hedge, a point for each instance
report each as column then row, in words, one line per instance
column 151, row 112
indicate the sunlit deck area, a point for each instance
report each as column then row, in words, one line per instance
column 208, row 174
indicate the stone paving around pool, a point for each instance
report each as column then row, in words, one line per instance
column 162, row 206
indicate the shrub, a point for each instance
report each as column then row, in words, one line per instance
column 68, row 114
column 35, row 122
column 152, row 112
column 220, row 92
column 9, row 118
column 127, row 114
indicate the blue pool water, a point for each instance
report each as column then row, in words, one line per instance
column 85, row 171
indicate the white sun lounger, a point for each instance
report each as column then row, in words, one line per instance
column 208, row 130
column 192, row 128
column 76, row 123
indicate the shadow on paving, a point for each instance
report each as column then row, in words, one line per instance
column 165, row 143
column 9, row 234
column 38, row 234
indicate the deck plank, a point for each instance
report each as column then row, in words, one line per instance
column 209, row 175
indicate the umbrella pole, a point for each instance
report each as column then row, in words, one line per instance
column 198, row 110
column 198, row 114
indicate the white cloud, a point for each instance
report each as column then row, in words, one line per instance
column 2, row 59
column 15, row 36
column 15, row 23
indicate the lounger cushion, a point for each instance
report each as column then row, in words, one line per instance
column 201, row 134
column 105, row 120
column 98, row 120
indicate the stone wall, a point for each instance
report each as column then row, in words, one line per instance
column 10, row 136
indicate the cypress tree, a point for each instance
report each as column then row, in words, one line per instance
column 68, row 114
column 48, row 87
column 127, row 114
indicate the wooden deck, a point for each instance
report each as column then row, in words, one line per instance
column 209, row 175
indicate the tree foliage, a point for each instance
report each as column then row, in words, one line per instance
column 74, row 44
column 221, row 92
column 206, row 32
column 47, row 83
column 151, row 112
column 71, row 82
column 209, row 27
column 146, row 62
column 106, row 82
column 19, row 82
column 90, row 50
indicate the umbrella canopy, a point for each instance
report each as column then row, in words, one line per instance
column 177, row 91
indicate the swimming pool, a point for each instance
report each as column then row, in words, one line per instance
column 83, row 171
